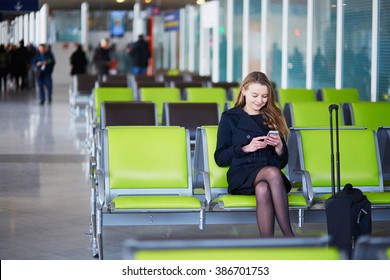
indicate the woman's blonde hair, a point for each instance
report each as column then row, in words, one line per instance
column 272, row 115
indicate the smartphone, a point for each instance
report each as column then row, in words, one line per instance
column 273, row 132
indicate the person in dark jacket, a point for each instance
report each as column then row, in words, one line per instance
column 4, row 63
column 43, row 64
column 101, row 58
column 140, row 55
column 21, row 66
column 255, row 160
column 78, row 61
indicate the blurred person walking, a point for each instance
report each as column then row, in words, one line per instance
column 3, row 68
column 43, row 64
column 101, row 58
column 140, row 55
column 21, row 66
column 78, row 61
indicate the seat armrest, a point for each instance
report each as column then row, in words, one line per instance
column 92, row 168
column 207, row 189
column 100, row 189
column 307, row 187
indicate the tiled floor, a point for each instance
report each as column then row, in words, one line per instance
column 44, row 191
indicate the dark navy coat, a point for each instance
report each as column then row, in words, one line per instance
column 236, row 129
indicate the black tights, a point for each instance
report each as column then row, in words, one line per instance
column 271, row 202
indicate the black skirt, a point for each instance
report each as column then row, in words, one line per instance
column 247, row 186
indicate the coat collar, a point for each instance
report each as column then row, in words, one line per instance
column 245, row 121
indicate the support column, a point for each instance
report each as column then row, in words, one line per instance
column 84, row 25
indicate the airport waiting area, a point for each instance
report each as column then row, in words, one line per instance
column 123, row 168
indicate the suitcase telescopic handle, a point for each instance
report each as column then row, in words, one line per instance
column 333, row 107
column 336, row 108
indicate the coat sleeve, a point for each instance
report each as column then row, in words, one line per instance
column 225, row 150
column 280, row 160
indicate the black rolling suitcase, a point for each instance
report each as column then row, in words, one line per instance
column 348, row 212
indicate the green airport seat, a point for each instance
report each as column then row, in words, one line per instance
column 98, row 96
column 106, row 94
column 372, row 247
column 146, row 179
column 375, row 116
column 338, row 96
column 215, row 182
column 160, row 95
column 206, row 95
column 359, row 164
column 190, row 115
column 309, row 114
column 298, row 248
column 286, row 95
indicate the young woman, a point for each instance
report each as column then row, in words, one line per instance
column 256, row 159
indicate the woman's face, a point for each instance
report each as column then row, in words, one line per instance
column 256, row 96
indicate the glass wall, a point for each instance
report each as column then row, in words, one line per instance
column 68, row 26
column 237, row 40
column 158, row 41
column 324, row 44
column 274, row 41
column 297, row 37
column 197, row 38
column 357, row 46
column 222, row 41
column 254, row 35
column 356, row 42
column 384, row 50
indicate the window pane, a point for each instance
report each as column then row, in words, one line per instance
column 384, row 50
column 222, row 41
column 237, row 40
column 68, row 25
column 254, row 35
column 274, row 40
column 357, row 46
column 297, row 27
column 324, row 44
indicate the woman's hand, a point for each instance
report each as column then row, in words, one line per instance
column 257, row 143
column 274, row 140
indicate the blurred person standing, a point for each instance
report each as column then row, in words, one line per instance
column 3, row 68
column 101, row 58
column 43, row 64
column 78, row 61
column 140, row 55
column 32, row 51
column 21, row 66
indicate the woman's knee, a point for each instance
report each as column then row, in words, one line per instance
column 262, row 191
column 272, row 171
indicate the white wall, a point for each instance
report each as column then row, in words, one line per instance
column 61, row 74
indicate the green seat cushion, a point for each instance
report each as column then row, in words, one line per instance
column 373, row 197
column 156, row 202
column 296, row 253
column 239, row 201
column 378, row 197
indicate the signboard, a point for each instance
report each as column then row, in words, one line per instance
column 117, row 23
column 18, row 5
column 172, row 21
